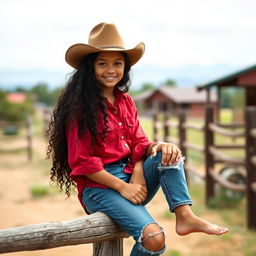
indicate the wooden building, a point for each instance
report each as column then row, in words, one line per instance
column 172, row 100
column 244, row 79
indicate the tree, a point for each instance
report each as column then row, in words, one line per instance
column 147, row 86
column 20, row 89
column 2, row 103
column 14, row 112
column 41, row 92
column 44, row 95
column 170, row 82
column 55, row 95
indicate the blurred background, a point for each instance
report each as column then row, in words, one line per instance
column 190, row 45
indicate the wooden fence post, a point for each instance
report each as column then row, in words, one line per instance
column 166, row 127
column 111, row 247
column 250, row 116
column 182, row 138
column 47, row 112
column 155, row 130
column 29, row 137
column 209, row 161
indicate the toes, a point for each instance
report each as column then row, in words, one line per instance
column 221, row 230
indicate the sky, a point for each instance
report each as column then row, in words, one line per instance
column 190, row 41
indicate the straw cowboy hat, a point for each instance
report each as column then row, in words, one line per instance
column 103, row 37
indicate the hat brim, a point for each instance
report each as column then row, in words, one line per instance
column 76, row 52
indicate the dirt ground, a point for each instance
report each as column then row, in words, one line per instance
column 17, row 207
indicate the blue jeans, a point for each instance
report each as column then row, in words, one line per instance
column 134, row 218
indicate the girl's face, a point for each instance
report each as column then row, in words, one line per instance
column 109, row 69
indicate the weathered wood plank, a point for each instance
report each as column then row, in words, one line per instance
column 193, row 127
column 193, row 146
column 94, row 228
column 219, row 156
column 215, row 128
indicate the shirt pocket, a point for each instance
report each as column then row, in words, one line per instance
column 130, row 121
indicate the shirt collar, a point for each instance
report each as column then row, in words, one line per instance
column 119, row 94
column 119, row 97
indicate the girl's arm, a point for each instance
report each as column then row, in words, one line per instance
column 135, row 193
column 138, row 174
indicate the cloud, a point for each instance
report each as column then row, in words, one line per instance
column 36, row 34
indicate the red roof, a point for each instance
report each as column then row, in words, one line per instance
column 178, row 94
column 16, row 97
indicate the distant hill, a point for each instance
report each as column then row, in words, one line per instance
column 185, row 76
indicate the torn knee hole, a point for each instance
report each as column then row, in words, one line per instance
column 151, row 231
column 153, row 234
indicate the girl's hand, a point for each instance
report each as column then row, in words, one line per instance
column 135, row 193
column 170, row 152
column 136, row 190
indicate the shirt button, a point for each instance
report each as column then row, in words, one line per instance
column 120, row 123
column 126, row 145
column 115, row 111
column 122, row 137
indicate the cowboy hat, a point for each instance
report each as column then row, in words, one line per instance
column 103, row 37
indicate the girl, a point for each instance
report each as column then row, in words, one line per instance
column 97, row 144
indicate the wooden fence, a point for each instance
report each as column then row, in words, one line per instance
column 47, row 113
column 213, row 155
column 99, row 229
column 29, row 135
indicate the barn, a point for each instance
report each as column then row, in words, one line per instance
column 173, row 100
column 243, row 80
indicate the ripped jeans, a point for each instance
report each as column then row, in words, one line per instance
column 134, row 218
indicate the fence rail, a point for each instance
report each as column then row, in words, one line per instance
column 217, row 129
column 222, row 158
column 29, row 136
column 96, row 228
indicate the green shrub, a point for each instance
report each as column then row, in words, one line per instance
column 14, row 112
column 39, row 191
column 173, row 253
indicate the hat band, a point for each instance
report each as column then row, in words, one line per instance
column 113, row 46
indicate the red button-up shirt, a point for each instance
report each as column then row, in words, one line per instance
column 125, row 138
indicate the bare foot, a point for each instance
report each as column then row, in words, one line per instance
column 187, row 222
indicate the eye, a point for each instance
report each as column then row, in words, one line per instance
column 101, row 63
column 119, row 63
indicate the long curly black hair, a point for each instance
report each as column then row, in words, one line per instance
column 81, row 98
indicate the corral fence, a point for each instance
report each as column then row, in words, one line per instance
column 98, row 228
column 213, row 152
column 10, row 128
column 107, row 236
column 47, row 113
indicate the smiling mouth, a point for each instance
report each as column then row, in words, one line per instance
column 110, row 78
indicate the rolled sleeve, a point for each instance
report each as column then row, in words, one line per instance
column 139, row 151
column 80, row 153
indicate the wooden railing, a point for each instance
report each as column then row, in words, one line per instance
column 106, row 236
column 213, row 155
column 29, row 136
